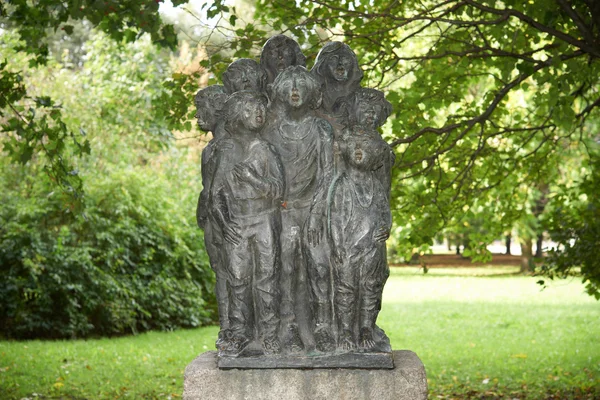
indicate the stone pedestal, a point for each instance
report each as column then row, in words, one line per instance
column 406, row 381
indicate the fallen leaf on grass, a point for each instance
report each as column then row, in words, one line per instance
column 58, row 385
column 520, row 355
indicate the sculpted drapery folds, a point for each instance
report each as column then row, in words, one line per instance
column 295, row 229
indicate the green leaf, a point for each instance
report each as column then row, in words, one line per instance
column 25, row 154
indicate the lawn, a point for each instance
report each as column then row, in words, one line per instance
column 481, row 333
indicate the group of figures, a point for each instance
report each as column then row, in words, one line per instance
column 295, row 203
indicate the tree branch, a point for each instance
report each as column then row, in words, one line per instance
column 491, row 107
column 589, row 108
column 535, row 24
column 583, row 29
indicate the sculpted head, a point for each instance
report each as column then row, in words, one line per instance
column 209, row 103
column 244, row 74
column 366, row 107
column 296, row 88
column 245, row 109
column 336, row 63
column 363, row 152
column 278, row 53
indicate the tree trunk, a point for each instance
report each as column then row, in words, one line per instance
column 538, row 246
column 507, row 241
column 526, row 256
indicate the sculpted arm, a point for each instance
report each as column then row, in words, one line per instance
column 203, row 199
column 219, row 204
column 337, row 219
column 324, row 179
column 270, row 184
column 277, row 176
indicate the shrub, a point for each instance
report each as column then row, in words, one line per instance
column 133, row 261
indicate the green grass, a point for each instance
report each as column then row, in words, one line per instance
column 481, row 333
column 503, row 330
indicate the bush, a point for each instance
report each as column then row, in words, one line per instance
column 132, row 262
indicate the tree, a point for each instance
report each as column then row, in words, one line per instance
column 34, row 124
column 573, row 221
column 133, row 259
column 491, row 98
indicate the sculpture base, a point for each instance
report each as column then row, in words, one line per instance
column 406, row 381
column 342, row 360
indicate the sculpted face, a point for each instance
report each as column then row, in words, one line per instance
column 253, row 115
column 244, row 74
column 244, row 111
column 368, row 114
column 365, row 107
column 340, row 66
column 244, row 79
column 295, row 91
column 279, row 58
column 296, row 87
column 363, row 151
column 205, row 120
column 209, row 103
column 278, row 53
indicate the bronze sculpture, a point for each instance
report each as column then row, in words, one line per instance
column 297, row 210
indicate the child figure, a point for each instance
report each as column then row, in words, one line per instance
column 364, row 111
column 304, row 143
column 359, row 224
column 246, row 195
column 209, row 103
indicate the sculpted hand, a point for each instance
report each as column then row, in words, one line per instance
column 338, row 255
column 201, row 220
column 245, row 172
column 381, row 235
column 230, row 233
column 315, row 229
